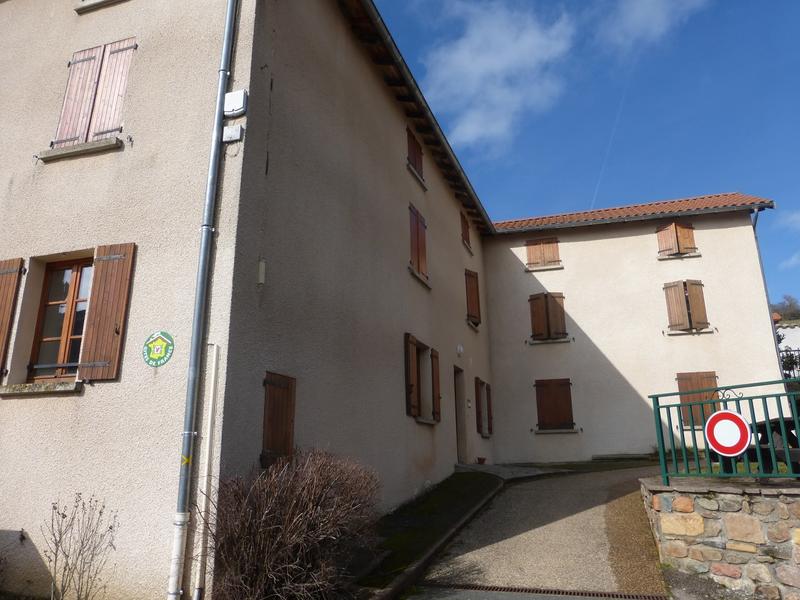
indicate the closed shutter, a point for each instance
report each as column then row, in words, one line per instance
column 414, row 230
column 685, row 236
column 554, row 404
column 690, row 382
column 538, row 307
column 10, row 275
column 107, row 112
column 489, row 418
column 76, row 111
column 464, row 229
column 535, row 254
column 556, row 319
column 278, row 430
column 676, row 306
column 550, row 252
column 697, row 304
column 412, row 376
column 422, row 245
column 414, row 152
column 108, row 305
column 543, row 252
column 473, row 297
column 436, row 386
column 479, row 404
column 667, row 239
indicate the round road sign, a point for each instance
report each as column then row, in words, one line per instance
column 727, row 433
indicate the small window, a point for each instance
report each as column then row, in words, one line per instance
column 414, row 153
column 554, row 404
column 675, row 239
column 686, row 306
column 483, row 408
column 473, row 297
column 419, row 255
column 278, row 429
column 423, row 388
column 542, row 253
column 696, row 415
column 548, row 320
column 465, row 230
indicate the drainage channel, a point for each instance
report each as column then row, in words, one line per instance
column 565, row 593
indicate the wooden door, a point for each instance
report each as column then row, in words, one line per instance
column 278, row 438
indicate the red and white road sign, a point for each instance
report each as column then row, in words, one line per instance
column 728, row 433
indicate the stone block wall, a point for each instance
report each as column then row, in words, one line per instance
column 743, row 536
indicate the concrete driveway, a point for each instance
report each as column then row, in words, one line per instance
column 583, row 532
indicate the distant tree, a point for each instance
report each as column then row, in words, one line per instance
column 788, row 307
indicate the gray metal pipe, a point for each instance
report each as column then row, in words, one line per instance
column 199, row 319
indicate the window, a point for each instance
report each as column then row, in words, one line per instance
column 92, row 108
column 278, row 436
column 423, row 388
column 695, row 416
column 74, row 334
column 686, row 307
column 419, row 258
column 675, row 239
column 465, row 230
column 483, row 407
column 10, row 276
column 554, row 404
column 414, row 153
column 542, row 253
column 548, row 321
column 473, row 298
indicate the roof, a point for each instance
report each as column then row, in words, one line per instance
column 714, row 203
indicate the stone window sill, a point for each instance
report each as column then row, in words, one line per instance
column 90, row 5
column 486, row 436
column 419, row 277
column 467, row 246
column 564, row 340
column 423, row 421
column 417, row 176
column 680, row 256
column 103, row 145
column 553, row 267
column 40, row 389
column 693, row 332
column 555, row 431
column 472, row 326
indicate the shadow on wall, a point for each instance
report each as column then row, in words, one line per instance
column 25, row 571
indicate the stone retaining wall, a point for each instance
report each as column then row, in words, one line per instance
column 742, row 535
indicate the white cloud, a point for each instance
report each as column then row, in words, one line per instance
column 635, row 22
column 791, row 262
column 497, row 69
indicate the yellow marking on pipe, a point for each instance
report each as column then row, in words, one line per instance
column 187, row 460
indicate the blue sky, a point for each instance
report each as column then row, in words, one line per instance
column 560, row 106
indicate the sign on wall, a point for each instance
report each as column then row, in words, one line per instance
column 158, row 349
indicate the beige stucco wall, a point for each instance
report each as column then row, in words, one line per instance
column 619, row 350
column 118, row 440
column 325, row 203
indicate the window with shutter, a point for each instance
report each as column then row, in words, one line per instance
column 548, row 319
column 279, row 409
column 419, row 257
column 436, row 391
column 414, row 153
column 688, row 384
column 554, row 404
column 473, row 297
column 675, row 239
column 465, row 230
column 483, row 408
column 10, row 277
column 489, row 417
column 423, row 387
column 542, row 253
column 686, row 307
column 412, row 376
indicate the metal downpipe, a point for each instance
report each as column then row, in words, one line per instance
column 182, row 513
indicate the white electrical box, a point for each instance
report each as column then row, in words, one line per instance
column 235, row 103
column 232, row 133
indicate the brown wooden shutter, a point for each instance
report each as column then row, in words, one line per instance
column 279, row 410
column 667, row 239
column 10, row 276
column 108, row 306
column 414, row 152
column 479, row 404
column 538, row 307
column 422, row 248
column 676, row 306
column 697, row 304
column 473, row 297
column 76, row 111
column 465, row 229
column 535, row 253
column 412, row 376
column 436, row 387
column 698, row 380
column 489, row 419
column 414, row 228
column 685, row 237
column 554, row 404
column 550, row 252
column 107, row 113
column 556, row 320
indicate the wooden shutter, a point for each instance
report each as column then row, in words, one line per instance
column 538, row 306
column 76, row 111
column 414, row 230
column 422, row 248
column 489, row 419
column 10, row 276
column 436, row 387
column 676, row 306
column 278, row 430
column 667, row 239
column 414, row 152
column 698, row 380
column 107, row 113
column 473, row 297
column 535, row 253
column 464, row 229
column 685, row 236
column 554, row 404
column 556, row 320
column 479, row 404
column 697, row 304
column 108, row 306
column 412, row 376
column 550, row 251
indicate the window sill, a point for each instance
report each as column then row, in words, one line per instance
column 486, row 436
column 417, row 176
column 564, row 340
column 103, row 145
column 694, row 332
column 419, row 277
column 555, row 431
column 680, row 256
column 40, row 389
column 554, row 267
column 90, row 5
column 467, row 246
column 472, row 326
column 423, row 421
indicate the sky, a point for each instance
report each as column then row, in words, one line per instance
column 556, row 106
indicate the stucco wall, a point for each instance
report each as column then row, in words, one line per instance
column 619, row 351
column 325, row 202
column 791, row 336
column 118, row 440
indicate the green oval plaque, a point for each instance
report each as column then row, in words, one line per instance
column 158, row 348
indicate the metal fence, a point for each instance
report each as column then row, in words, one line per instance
column 769, row 407
column 790, row 363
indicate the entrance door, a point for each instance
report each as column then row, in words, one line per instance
column 461, row 414
column 278, row 438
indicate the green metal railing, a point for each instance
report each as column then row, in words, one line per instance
column 773, row 416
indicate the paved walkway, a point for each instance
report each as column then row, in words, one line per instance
column 510, row 472
column 447, row 594
column 585, row 532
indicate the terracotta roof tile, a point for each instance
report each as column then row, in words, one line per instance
column 637, row 212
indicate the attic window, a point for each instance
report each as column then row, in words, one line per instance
column 676, row 239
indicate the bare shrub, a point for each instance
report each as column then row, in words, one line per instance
column 79, row 539
column 289, row 531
